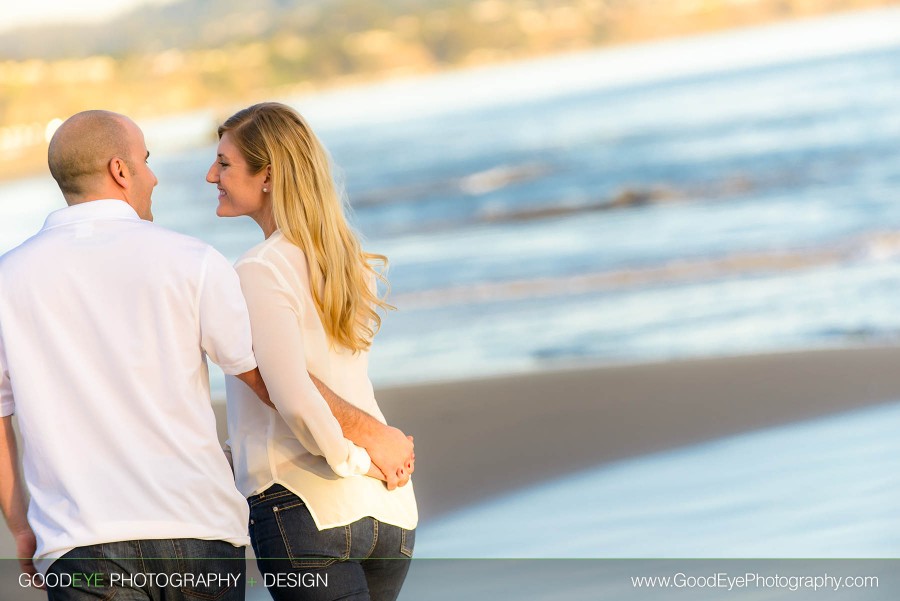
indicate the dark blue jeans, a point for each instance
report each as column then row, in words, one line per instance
column 181, row 569
column 363, row 561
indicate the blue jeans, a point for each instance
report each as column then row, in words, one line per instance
column 363, row 561
column 180, row 569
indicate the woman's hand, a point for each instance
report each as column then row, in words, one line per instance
column 403, row 473
column 393, row 452
column 376, row 473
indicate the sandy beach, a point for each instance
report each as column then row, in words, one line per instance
column 480, row 438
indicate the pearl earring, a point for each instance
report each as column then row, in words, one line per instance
column 265, row 189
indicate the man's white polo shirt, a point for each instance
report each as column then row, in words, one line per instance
column 105, row 324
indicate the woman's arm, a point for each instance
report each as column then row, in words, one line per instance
column 280, row 353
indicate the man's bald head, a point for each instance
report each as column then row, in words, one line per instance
column 82, row 147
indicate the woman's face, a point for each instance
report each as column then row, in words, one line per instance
column 240, row 192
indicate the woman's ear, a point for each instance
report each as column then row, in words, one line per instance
column 268, row 179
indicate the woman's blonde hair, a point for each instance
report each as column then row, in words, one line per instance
column 309, row 212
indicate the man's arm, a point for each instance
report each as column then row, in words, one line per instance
column 12, row 497
column 390, row 449
column 362, row 426
column 253, row 379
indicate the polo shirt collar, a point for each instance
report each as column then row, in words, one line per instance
column 91, row 211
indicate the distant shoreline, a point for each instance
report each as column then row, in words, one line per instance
column 30, row 161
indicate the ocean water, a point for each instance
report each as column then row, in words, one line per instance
column 817, row 498
column 825, row 488
column 718, row 195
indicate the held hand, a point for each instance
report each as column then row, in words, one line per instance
column 376, row 473
column 410, row 464
column 392, row 453
column 404, row 473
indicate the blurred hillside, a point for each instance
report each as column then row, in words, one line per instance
column 172, row 58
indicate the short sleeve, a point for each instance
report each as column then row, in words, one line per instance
column 7, row 404
column 224, row 321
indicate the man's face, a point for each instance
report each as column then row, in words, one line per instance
column 143, row 179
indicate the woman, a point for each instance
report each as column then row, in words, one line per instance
column 322, row 527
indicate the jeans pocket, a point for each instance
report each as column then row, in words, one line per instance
column 208, row 569
column 306, row 545
column 407, row 541
column 272, row 494
column 93, row 571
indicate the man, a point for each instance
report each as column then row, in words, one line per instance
column 106, row 321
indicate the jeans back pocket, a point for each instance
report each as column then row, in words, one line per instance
column 306, row 545
column 407, row 541
column 209, row 570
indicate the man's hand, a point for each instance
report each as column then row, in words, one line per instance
column 392, row 452
column 26, row 544
column 12, row 497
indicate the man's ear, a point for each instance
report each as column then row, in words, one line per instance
column 118, row 169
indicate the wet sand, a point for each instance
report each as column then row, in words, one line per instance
column 481, row 438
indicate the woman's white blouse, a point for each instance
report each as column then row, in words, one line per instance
column 301, row 446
